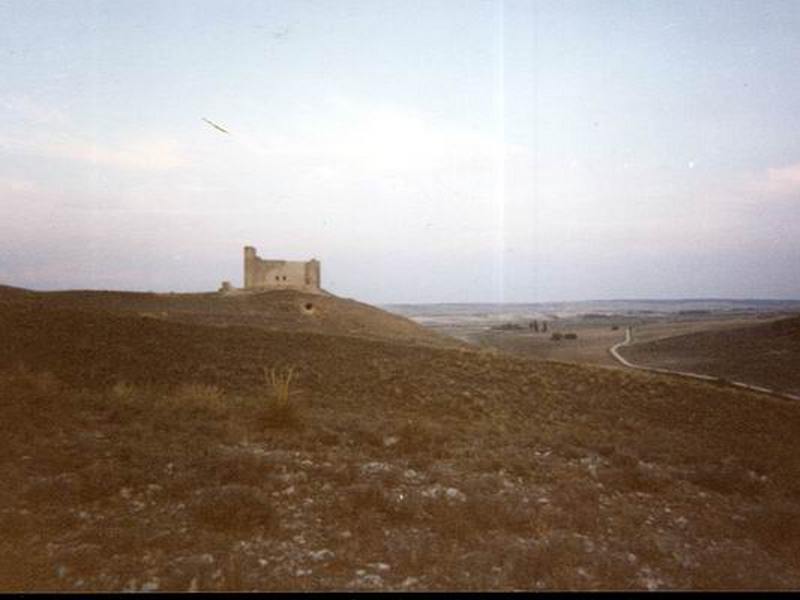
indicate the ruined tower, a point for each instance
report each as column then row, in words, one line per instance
column 266, row 274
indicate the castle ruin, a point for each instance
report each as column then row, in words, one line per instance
column 265, row 274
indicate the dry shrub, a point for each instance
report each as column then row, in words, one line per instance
column 725, row 478
column 24, row 381
column 421, row 437
column 232, row 508
column 100, row 479
column 224, row 468
column 123, row 391
column 552, row 563
column 634, row 479
column 280, row 410
column 197, row 396
column 31, row 405
column 776, row 525
column 578, row 504
column 479, row 513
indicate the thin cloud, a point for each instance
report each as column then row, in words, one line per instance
column 349, row 137
column 153, row 154
column 31, row 112
column 782, row 180
column 17, row 186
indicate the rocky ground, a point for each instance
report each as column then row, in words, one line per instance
column 143, row 454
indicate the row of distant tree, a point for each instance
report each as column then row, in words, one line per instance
column 535, row 326
column 538, row 327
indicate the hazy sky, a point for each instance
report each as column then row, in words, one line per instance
column 423, row 151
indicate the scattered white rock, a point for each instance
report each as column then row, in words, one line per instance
column 323, row 554
column 413, row 475
column 390, row 440
column 409, row 581
column 375, row 468
column 649, row 579
column 456, row 494
column 200, row 560
column 151, row 586
column 302, row 572
column 379, row 566
column 372, row 581
column 439, row 491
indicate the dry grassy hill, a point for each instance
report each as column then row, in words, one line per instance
column 149, row 453
column 767, row 354
column 276, row 310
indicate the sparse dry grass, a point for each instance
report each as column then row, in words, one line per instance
column 455, row 469
column 280, row 409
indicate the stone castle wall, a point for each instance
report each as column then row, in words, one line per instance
column 262, row 273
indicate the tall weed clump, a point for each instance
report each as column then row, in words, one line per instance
column 281, row 410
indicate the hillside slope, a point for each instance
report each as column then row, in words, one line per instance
column 277, row 310
column 139, row 453
column 766, row 354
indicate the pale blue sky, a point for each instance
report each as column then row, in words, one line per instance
column 423, row 151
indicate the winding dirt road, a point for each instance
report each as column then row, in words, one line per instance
column 614, row 351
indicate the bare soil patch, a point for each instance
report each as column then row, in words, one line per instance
column 141, row 453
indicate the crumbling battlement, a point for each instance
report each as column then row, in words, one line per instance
column 262, row 273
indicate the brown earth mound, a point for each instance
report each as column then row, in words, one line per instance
column 278, row 310
column 766, row 354
column 139, row 453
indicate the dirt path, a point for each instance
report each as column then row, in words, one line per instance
column 614, row 351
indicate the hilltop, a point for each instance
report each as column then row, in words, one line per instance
column 148, row 452
column 274, row 310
